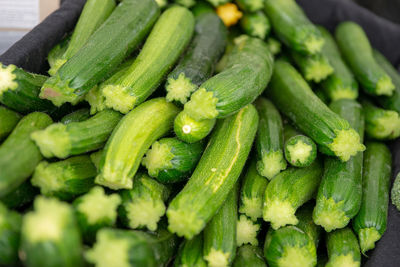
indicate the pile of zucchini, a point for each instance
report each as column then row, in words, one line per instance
column 198, row 133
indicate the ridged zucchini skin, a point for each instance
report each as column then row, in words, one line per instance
column 249, row 255
column 293, row 27
column 315, row 68
column 293, row 97
column 19, row 90
column 130, row 140
column 220, row 233
column 10, row 230
column 166, row 42
column 170, row 160
column 190, row 253
column 8, row 121
column 61, row 141
column 198, row 62
column 250, row 5
column 343, row 248
column 19, row 154
column 119, row 35
column 357, row 51
column 215, row 175
column 136, row 248
column 20, row 197
column 337, row 204
column 76, row 116
column 256, row 24
column 269, row 140
column 341, row 83
column 370, row 222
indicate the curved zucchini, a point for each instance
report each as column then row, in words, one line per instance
column 248, row 255
column 246, row 231
column 76, row 116
column 10, row 231
column 191, row 253
column 314, row 68
column 8, row 121
column 343, row 249
column 250, row 5
column 131, row 139
column 20, row 197
column 256, row 24
column 215, row 175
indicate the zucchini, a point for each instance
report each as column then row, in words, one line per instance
column 246, row 231
column 395, row 192
column 95, row 157
column 293, row 97
column 170, row 160
column 300, row 150
column 50, row 235
column 252, row 192
column 370, row 222
column 20, row 197
column 8, row 121
column 380, row 124
column 198, row 63
column 185, row 3
column 250, row 5
column 117, row 247
column 201, row 7
column 119, row 35
column 96, row 210
column 57, row 52
column 220, row 233
column 144, row 205
column 190, row 130
column 341, row 83
column 323, row 96
column 65, row 179
column 190, row 253
column 293, row 27
column 269, row 140
column 61, row 141
column 248, row 255
column 18, row 154
column 275, row 47
column 215, row 175
column 337, row 204
column 166, row 42
column 343, row 249
column 19, row 90
column 10, row 231
column 131, row 139
column 357, row 51
column 314, row 68
column 217, row 3
column 76, row 116
column 162, row 3
column 94, row 13
column 256, row 24
column 288, row 191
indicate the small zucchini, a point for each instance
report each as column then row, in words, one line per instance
column 250, row 5
column 191, row 131
column 343, row 249
column 315, row 68
column 190, row 253
column 256, row 24
column 76, row 116
column 275, row 47
column 10, row 232
column 20, row 197
column 248, row 255
column 8, row 121
column 246, row 231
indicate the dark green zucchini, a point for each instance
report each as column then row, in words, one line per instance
column 343, row 249
column 8, row 121
column 248, row 255
column 20, row 197
column 10, row 231
column 395, row 192
column 76, row 116
column 246, row 231
column 191, row 253
column 256, row 24
column 322, row 95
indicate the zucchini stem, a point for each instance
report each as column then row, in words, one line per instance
column 180, row 89
column 368, row 237
column 329, row 214
column 118, row 98
column 157, row 158
column 346, row 144
column 271, row 164
column 246, row 231
column 217, row 258
column 53, row 141
column 202, row 105
column 7, row 78
column 279, row 213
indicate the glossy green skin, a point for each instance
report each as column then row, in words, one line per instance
column 391, row 102
column 249, row 255
column 375, row 187
column 343, row 242
column 357, row 51
column 218, row 169
column 124, row 30
column 220, row 232
column 250, row 5
column 20, row 197
column 251, row 24
column 76, row 116
column 8, row 121
column 10, row 228
column 190, row 253
column 19, row 154
column 342, row 78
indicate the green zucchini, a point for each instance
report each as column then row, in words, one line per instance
column 10, row 231
column 50, row 236
column 166, row 42
column 323, row 96
column 191, row 253
column 380, row 124
column 57, row 52
column 131, row 139
column 217, row 3
column 293, row 97
column 117, row 247
column 395, row 192
column 248, row 255
column 314, row 68
column 162, row 3
column 250, row 5
column 170, row 160
column 61, row 141
column 144, row 205
column 288, row 191
column 215, row 175
column 341, row 83
column 246, row 231
column 198, row 63
column 337, row 204
column 76, row 116
column 19, row 90
column 252, row 192
column 269, row 140
column 256, row 24
column 357, row 51
column 96, row 210
column 220, row 233
column 94, row 13
column 201, row 7
column 119, row 35
column 275, row 47
column 343, row 249
column 18, row 154
column 20, row 197
column 185, row 3
column 370, row 222
column 190, row 130
column 8, row 121
column 293, row 27
column 95, row 157
column 65, row 179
